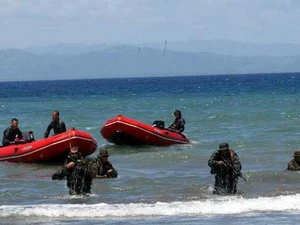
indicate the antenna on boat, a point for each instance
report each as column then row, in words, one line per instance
column 165, row 48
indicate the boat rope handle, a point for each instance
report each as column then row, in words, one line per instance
column 70, row 138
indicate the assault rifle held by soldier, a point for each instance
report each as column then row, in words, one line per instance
column 229, row 163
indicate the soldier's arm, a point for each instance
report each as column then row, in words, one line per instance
column 59, row 175
column 112, row 173
column 212, row 160
column 5, row 137
column 48, row 130
column 172, row 125
column 293, row 166
column 69, row 164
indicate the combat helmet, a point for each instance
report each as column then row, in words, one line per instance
column 224, row 146
column 297, row 154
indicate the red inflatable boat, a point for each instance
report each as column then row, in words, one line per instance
column 51, row 149
column 126, row 131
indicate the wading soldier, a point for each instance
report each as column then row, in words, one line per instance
column 226, row 167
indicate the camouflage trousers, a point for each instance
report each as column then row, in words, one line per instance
column 79, row 181
column 225, row 184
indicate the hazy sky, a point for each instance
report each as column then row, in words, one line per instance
column 26, row 23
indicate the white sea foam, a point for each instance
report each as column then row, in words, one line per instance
column 226, row 205
column 195, row 142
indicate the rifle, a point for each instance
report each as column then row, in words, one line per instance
column 77, row 178
column 229, row 163
column 61, row 174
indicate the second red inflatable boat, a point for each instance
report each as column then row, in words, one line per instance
column 125, row 131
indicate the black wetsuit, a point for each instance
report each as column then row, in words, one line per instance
column 9, row 136
column 57, row 126
column 177, row 125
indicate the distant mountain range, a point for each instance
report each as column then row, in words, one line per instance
column 224, row 47
column 72, row 61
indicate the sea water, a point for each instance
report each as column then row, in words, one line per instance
column 258, row 115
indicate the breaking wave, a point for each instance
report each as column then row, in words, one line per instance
column 218, row 206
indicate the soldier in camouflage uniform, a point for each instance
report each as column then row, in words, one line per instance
column 226, row 167
column 294, row 164
column 76, row 172
column 101, row 168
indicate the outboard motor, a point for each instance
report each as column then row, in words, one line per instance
column 159, row 124
column 28, row 136
column 31, row 136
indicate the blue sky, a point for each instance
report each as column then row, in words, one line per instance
column 25, row 23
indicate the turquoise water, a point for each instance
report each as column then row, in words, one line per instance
column 257, row 114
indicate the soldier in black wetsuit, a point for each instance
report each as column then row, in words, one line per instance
column 178, row 124
column 12, row 134
column 56, row 124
